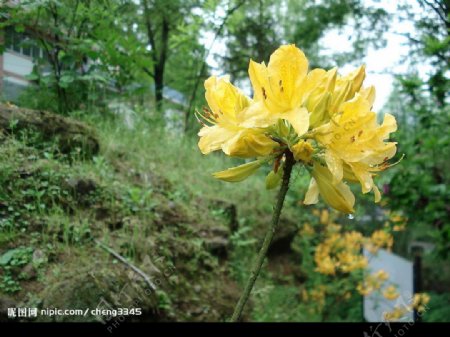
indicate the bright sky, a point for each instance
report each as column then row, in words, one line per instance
column 381, row 64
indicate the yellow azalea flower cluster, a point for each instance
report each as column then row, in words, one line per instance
column 396, row 314
column 399, row 222
column 390, row 293
column 323, row 119
column 317, row 296
column 379, row 239
column 419, row 302
column 306, row 230
column 372, row 282
column 340, row 252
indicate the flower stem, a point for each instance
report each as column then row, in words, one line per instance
column 267, row 239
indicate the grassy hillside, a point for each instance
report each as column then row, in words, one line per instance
column 149, row 196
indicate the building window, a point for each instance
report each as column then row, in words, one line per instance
column 21, row 43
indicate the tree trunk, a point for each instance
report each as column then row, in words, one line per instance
column 160, row 66
column 69, row 133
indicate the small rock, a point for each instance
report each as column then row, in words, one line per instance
column 28, row 272
column 217, row 246
column 5, row 303
column 82, row 186
column 39, row 257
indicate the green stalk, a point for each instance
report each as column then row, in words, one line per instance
column 267, row 239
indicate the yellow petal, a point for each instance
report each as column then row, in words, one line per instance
column 319, row 110
column 363, row 174
column 302, row 151
column 240, row 172
column 377, row 193
column 225, row 100
column 212, row 138
column 312, row 195
column 339, row 196
column 299, row 119
column 279, row 84
column 249, row 143
column 357, row 77
column 259, row 78
column 287, row 69
column 335, row 165
column 368, row 94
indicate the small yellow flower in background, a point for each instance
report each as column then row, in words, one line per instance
column 333, row 228
column 399, row 222
column 326, row 266
column 317, row 295
column 390, row 293
column 307, row 230
column 420, row 301
column 396, row 314
column 381, row 275
column 372, row 282
column 399, row 228
column 379, row 239
column 340, row 253
column 324, row 217
column 364, row 289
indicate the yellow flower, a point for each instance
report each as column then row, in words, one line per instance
column 381, row 275
column 326, row 266
column 364, row 289
column 307, row 230
column 324, row 217
column 326, row 92
column 420, row 301
column 378, row 240
column 354, row 143
column 399, row 228
column 395, row 314
column 235, row 125
column 346, row 87
column 303, row 151
column 324, row 120
column 347, row 295
column 391, row 293
column 339, row 196
column 318, row 90
column 350, row 262
column 278, row 87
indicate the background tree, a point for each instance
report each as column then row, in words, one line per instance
column 421, row 102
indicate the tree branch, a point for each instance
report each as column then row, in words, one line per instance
column 128, row 264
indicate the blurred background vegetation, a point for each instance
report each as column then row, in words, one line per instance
column 134, row 71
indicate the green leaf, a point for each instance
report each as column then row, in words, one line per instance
column 5, row 258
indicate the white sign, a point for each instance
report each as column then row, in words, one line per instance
column 400, row 273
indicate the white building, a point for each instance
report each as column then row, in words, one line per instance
column 16, row 63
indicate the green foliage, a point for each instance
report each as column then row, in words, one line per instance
column 418, row 185
column 10, row 263
column 258, row 27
